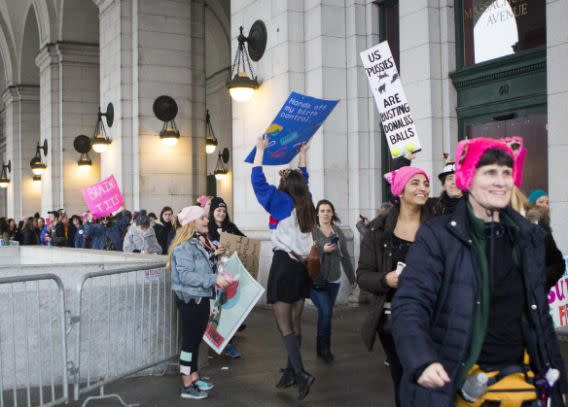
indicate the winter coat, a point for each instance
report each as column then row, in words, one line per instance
column 162, row 231
column 138, row 240
column 80, row 240
column 44, row 232
column 374, row 263
column 29, row 237
column 331, row 263
column 436, row 300
column 193, row 276
column 116, row 230
column 59, row 238
column 96, row 232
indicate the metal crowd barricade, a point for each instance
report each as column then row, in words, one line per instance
column 33, row 350
column 126, row 323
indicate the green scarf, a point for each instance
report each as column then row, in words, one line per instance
column 481, row 316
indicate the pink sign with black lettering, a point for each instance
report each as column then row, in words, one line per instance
column 103, row 198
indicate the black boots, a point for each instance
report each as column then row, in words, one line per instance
column 323, row 349
column 304, row 381
column 287, row 379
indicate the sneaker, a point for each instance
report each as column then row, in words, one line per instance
column 232, row 351
column 203, row 385
column 192, row 392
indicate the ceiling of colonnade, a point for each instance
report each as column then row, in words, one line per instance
column 217, row 36
column 28, row 25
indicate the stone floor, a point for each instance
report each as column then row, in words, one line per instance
column 357, row 378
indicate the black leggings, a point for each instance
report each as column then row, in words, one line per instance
column 194, row 318
column 395, row 366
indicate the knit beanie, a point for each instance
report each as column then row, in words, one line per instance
column 142, row 219
column 469, row 152
column 189, row 214
column 398, row 178
column 217, row 203
column 534, row 195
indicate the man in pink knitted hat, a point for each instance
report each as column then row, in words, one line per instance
column 470, row 317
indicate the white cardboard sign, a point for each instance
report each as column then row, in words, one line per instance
column 393, row 107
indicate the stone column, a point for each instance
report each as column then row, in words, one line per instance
column 69, row 84
column 557, row 64
column 21, row 126
column 151, row 48
column 280, row 70
column 427, row 56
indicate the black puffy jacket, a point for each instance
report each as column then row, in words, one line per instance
column 434, row 306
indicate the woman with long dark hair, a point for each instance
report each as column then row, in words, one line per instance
column 29, row 236
column 385, row 244
column 292, row 220
column 332, row 246
column 219, row 220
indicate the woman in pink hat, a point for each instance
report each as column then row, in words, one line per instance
column 193, row 263
column 383, row 248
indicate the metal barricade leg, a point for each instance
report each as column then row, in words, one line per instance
column 103, row 396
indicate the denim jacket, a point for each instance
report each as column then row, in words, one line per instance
column 192, row 273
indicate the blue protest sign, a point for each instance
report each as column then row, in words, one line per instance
column 296, row 122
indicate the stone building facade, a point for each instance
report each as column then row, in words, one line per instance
column 63, row 59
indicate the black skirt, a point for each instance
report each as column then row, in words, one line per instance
column 288, row 279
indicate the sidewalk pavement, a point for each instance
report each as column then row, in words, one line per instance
column 357, row 378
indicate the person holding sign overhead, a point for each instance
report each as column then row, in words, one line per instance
column 292, row 220
column 383, row 253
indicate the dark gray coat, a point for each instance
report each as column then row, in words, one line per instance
column 434, row 306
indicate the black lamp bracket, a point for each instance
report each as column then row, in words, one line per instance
column 7, row 166
column 42, row 147
column 82, row 144
column 256, row 44
column 165, row 108
column 225, row 155
column 109, row 114
column 256, row 40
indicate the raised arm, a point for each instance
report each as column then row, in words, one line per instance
column 277, row 203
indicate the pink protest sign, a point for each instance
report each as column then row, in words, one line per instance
column 103, row 198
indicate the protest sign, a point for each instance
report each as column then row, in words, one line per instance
column 296, row 122
column 558, row 300
column 103, row 198
column 393, row 107
column 247, row 249
column 232, row 305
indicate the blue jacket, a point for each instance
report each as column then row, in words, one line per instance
column 96, row 232
column 80, row 241
column 44, row 232
column 277, row 203
column 117, row 230
column 434, row 305
column 192, row 273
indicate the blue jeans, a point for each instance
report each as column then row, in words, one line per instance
column 324, row 302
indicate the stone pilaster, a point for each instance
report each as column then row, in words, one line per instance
column 151, row 48
column 69, row 83
column 557, row 64
column 427, row 56
column 21, row 127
